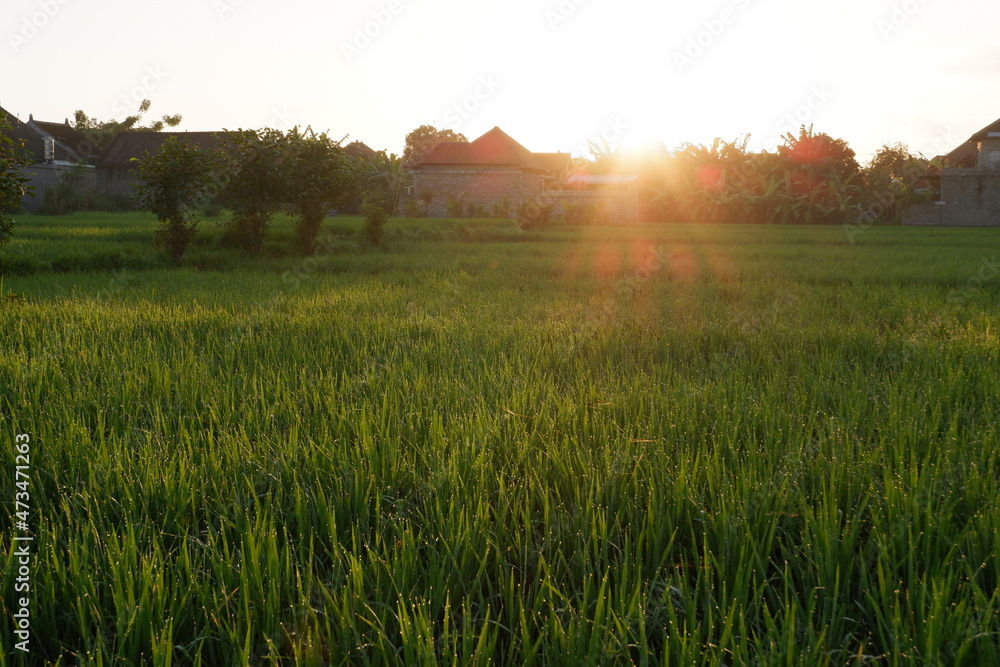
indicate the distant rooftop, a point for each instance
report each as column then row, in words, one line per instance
column 134, row 144
column 495, row 147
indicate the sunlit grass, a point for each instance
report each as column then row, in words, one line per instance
column 757, row 446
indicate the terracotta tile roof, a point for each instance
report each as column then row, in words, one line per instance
column 554, row 161
column 495, row 147
column 128, row 145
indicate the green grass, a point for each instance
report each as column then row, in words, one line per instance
column 684, row 445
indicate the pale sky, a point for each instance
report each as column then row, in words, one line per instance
column 554, row 74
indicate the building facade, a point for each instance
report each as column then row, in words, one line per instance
column 495, row 167
column 967, row 185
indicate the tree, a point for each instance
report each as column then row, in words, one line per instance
column 820, row 153
column 12, row 180
column 317, row 174
column 100, row 133
column 174, row 181
column 374, row 227
column 890, row 182
column 422, row 140
column 385, row 177
column 256, row 189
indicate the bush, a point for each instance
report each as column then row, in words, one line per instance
column 374, row 227
column 475, row 210
column 455, row 206
column 533, row 214
column 500, row 208
column 412, row 209
column 579, row 213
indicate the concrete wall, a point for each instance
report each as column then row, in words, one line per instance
column 929, row 213
column 989, row 153
column 969, row 198
column 612, row 207
column 115, row 181
column 44, row 176
column 475, row 185
column 485, row 185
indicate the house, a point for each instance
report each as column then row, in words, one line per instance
column 359, row 150
column 55, row 151
column 116, row 170
column 483, row 171
column 966, row 183
column 495, row 166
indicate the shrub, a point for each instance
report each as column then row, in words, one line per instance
column 374, row 227
column 13, row 182
column 475, row 210
column 579, row 213
column 426, row 197
column 500, row 208
column 174, row 181
column 412, row 209
column 533, row 214
column 455, row 206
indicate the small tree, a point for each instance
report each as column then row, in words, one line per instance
column 174, row 182
column 12, row 180
column 100, row 133
column 374, row 227
column 256, row 187
column 425, row 138
column 316, row 174
column 385, row 178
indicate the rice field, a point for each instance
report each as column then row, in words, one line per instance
column 649, row 445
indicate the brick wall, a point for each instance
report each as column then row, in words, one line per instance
column 115, row 181
column 929, row 213
column 971, row 197
column 475, row 185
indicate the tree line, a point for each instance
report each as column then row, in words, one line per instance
column 812, row 179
